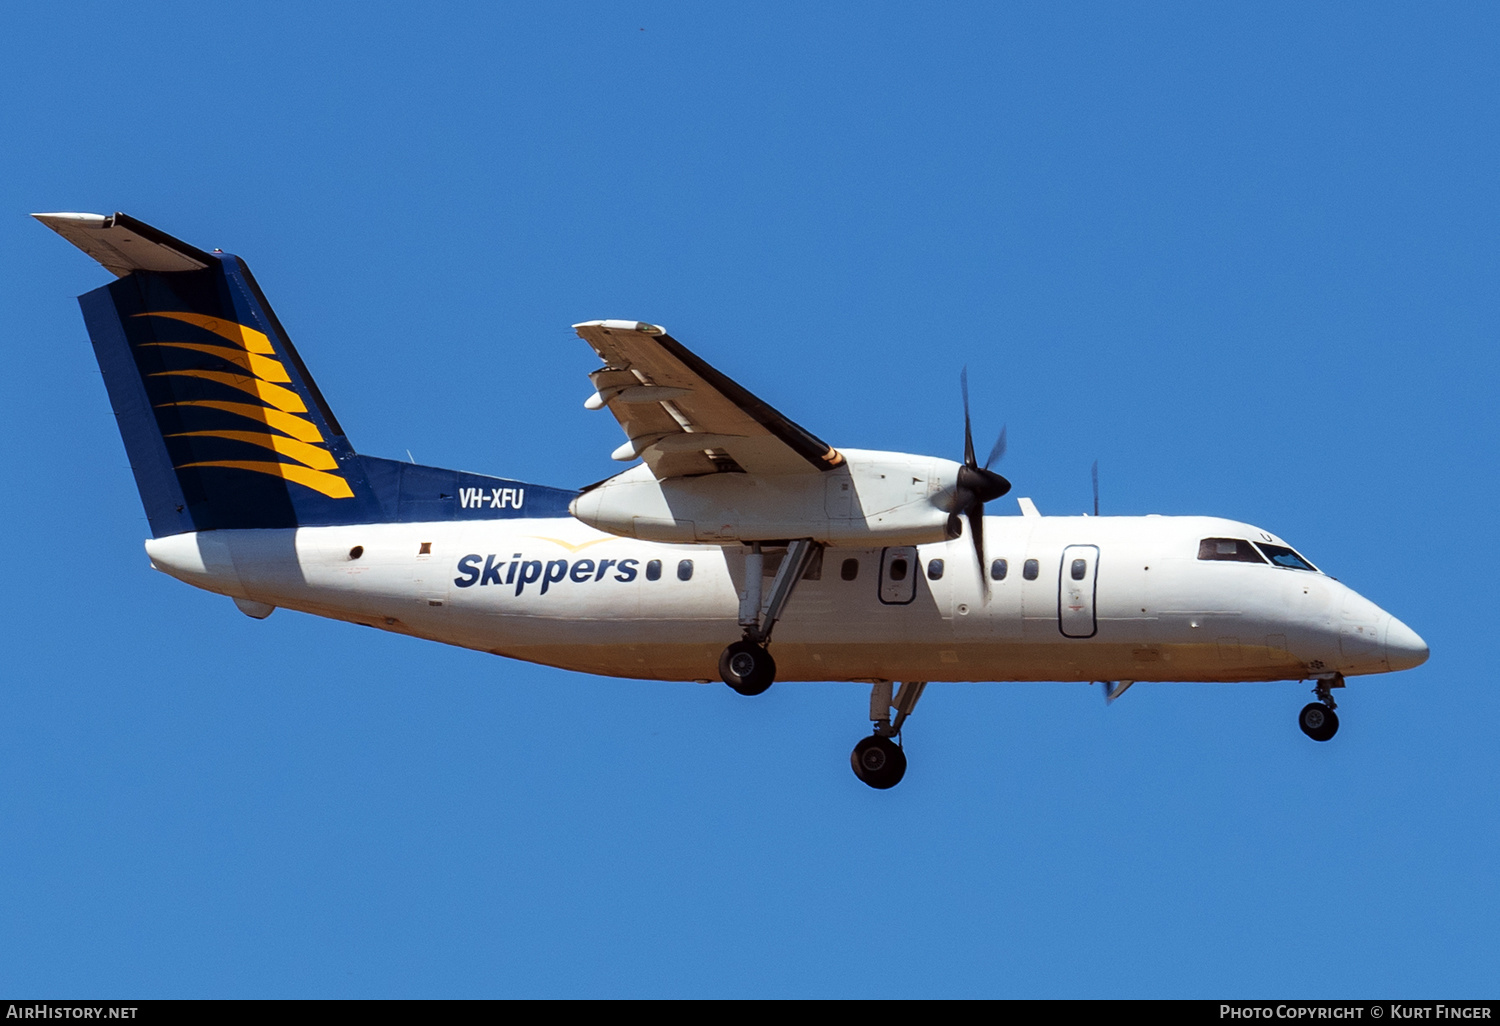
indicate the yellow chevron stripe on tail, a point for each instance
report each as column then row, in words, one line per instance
column 331, row 485
column 262, row 367
column 287, row 423
column 249, row 339
column 284, row 399
column 314, row 456
column 316, row 467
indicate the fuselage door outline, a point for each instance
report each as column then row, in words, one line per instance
column 898, row 575
column 1077, row 587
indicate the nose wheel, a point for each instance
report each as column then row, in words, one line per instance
column 879, row 762
column 1317, row 719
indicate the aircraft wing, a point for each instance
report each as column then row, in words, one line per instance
column 685, row 418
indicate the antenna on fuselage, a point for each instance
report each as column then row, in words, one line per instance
column 1095, row 474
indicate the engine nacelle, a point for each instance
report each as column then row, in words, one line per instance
column 874, row 499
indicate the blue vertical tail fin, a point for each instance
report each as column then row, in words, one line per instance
column 223, row 424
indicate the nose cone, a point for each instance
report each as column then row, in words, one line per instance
column 1403, row 648
column 1373, row 641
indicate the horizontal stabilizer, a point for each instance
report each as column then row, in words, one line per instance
column 123, row 244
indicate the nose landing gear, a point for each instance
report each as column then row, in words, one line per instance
column 879, row 761
column 1318, row 719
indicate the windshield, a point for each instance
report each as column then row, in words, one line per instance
column 1234, row 550
column 1280, row 555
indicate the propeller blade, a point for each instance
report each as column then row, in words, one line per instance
column 975, row 513
column 975, row 486
column 998, row 452
column 963, row 384
column 1095, row 474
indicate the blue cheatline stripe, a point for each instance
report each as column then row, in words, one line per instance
column 411, row 493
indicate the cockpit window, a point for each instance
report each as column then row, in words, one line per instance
column 1280, row 555
column 1234, row 550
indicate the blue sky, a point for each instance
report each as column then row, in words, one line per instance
column 1243, row 255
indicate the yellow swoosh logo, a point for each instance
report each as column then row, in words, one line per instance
column 571, row 548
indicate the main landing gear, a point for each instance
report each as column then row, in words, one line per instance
column 878, row 760
column 1318, row 719
column 746, row 666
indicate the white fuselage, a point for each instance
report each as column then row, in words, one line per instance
column 557, row 592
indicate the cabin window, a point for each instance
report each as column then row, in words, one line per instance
column 998, row 569
column 1280, row 555
column 356, row 552
column 1079, row 568
column 898, row 570
column 1233, row 550
column 425, row 549
column 685, row 570
column 934, row 569
column 653, row 570
column 850, row 570
column 1030, row 569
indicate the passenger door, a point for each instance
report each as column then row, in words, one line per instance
column 898, row 575
column 1077, row 577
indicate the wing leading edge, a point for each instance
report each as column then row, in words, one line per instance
column 683, row 417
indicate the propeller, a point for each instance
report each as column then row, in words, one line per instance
column 1094, row 473
column 976, row 486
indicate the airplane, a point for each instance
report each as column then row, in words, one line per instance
column 733, row 522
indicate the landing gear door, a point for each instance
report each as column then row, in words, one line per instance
column 1077, row 580
column 898, row 575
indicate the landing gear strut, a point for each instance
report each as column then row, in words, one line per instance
column 1318, row 719
column 746, row 666
column 878, row 760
